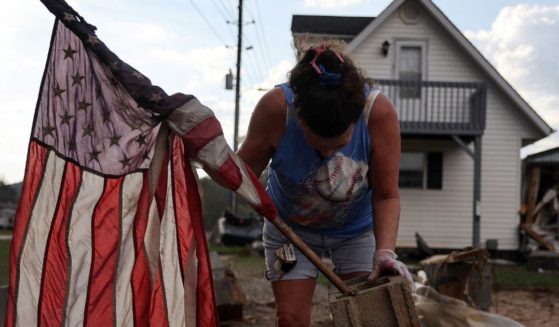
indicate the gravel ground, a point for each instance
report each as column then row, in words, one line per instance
column 533, row 308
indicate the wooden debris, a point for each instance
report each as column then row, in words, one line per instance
column 533, row 187
column 465, row 275
column 527, row 228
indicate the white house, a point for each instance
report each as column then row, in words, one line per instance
column 462, row 124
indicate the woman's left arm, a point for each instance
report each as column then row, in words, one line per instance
column 384, row 167
column 384, row 170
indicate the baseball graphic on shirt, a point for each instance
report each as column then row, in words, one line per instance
column 340, row 178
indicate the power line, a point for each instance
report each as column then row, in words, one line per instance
column 207, row 22
column 225, row 9
column 220, row 10
column 256, row 59
column 225, row 18
column 260, row 26
column 233, row 9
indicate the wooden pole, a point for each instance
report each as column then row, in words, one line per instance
column 328, row 273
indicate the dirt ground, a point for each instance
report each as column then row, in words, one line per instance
column 533, row 308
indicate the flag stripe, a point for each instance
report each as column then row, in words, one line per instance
column 161, row 191
column 99, row 310
column 170, row 260
column 158, row 311
column 183, row 119
column 186, row 241
column 190, row 285
column 31, row 262
column 123, row 301
column 79, row 243
column 140, row 272
column 231, row 173
column 206, row 309
column 214, row 153
column 260, row 201
column 34, row 173
column 180, row 200
column 55, row 268
column 151, row 241
column 202, row 134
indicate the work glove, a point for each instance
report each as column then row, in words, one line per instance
column 385, row 263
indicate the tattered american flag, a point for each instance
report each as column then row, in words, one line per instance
column 108, row 230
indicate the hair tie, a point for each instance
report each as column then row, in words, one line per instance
column 326, row 77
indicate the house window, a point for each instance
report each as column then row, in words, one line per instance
column 410, row 70
column 421, row 170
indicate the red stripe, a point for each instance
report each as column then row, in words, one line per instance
column 55, row 264
column 105, row 237
column 158, row 312
column 267, row 207
column 231, row 173
column 140, row 272
column 180, row 201
column 34, row 170
column 202, row 134
column 206, row 313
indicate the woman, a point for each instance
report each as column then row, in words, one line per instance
column 335, row 148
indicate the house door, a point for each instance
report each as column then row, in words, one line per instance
column 410, row 70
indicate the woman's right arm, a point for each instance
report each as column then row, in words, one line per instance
column 265, row 130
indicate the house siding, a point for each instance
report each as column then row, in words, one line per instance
column 444, row 217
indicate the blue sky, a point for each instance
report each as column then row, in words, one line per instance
column 170, row 42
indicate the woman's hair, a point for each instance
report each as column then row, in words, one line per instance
column 329, row 91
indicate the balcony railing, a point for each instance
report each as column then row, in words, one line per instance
column 440, row 108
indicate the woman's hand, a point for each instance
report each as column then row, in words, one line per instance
column 385, row 263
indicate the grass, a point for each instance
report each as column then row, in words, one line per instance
column 518, row 277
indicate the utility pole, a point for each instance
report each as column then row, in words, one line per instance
column 237, row 92
column 238, row 77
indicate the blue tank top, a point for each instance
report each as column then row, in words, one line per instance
column 330, row 195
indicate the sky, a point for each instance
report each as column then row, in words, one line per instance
column 189, row 45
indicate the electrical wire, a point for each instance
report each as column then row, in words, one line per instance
column 207, row 22
column 260, row 27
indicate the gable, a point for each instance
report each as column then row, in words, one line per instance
column 443, row 29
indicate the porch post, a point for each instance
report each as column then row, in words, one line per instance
column 477, row 192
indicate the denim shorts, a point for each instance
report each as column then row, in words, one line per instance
column 348, row 255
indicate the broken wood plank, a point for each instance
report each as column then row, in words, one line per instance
column 530, row 232
column 547, row 199
column 532, row 197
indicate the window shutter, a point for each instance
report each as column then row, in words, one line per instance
column 435, row 170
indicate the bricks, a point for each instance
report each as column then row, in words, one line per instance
column 386, row 302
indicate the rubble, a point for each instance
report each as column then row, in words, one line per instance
column 465, row 275
column 539, row 211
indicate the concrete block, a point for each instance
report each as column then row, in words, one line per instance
column 386, row 302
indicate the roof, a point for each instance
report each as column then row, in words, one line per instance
column 550, row 156
column 438, row 15
column 329, row 25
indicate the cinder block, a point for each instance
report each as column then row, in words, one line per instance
column 386, row 302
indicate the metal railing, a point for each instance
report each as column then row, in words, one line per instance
column 435, row 107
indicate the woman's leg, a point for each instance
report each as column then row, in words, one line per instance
column 294, row 288
column 294, row 301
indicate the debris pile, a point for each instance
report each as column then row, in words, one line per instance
column 539, row 215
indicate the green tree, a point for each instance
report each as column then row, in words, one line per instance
column 8, row 193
